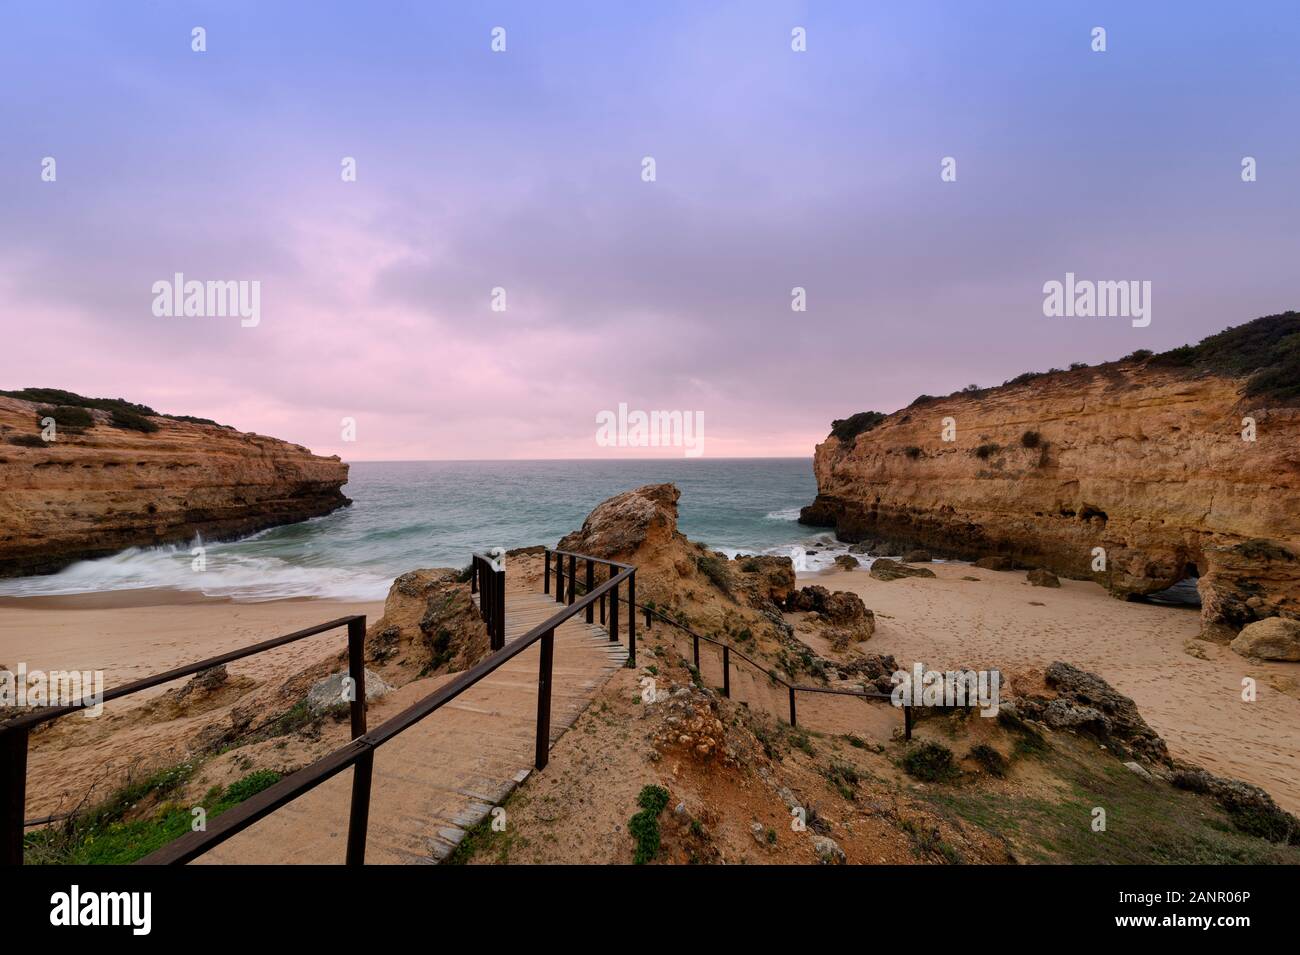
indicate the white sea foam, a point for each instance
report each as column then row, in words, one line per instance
column 237, row 576
column 785, row 514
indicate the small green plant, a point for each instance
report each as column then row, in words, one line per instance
column 986, row 451
column 1030, row 439
column 644, row 826
column 988, row 757
column 28, row 441
column 929, row 761
column 843, row 779
column 716, row 569
column 912, row 451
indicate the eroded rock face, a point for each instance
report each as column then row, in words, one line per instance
column 1146, row 462
column 430, row 625
column 97, row 492
column 1084, row 702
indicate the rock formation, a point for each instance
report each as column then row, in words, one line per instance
column 116, row 479
column 1149, row 459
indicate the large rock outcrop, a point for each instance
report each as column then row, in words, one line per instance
column 1144, row 458
column 102, row 487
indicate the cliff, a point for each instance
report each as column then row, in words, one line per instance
column 128, row 477
column 1143, row 458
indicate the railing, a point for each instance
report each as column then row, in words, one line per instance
column 14, row 733
column 615, row 573
column 488, row 580
column 360, row 752
column 728, row 651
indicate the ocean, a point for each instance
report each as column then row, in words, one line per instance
column 410, row 514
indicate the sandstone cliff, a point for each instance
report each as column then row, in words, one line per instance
column 111, row 480
column 1143, row 458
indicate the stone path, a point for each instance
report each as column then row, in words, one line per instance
column 443, row 775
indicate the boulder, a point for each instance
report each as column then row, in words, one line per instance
column 828, row 851
column 845, row 562
column 1086, row 703
column 327, row 695
column 1041, row 577
column 994, row 563
column 917, row 557
column 882, row 568
column 1277, row 638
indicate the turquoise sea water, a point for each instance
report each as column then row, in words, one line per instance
column 435, row 513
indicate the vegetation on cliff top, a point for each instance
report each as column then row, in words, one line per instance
column 1267, row 350
column 126, row 414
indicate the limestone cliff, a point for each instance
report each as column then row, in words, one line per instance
column 117, row 479
column 1144, row 458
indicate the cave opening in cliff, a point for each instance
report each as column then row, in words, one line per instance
column 1183, row 592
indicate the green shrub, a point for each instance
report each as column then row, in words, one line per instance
column 28, row 441
column 129, row 420
column 644, row 826
column 988, row 757
column 986, row 451
column 912, row 451
column 716, row 569
column 1031, row 439
column 929, row 761
column 848, row 429
column 67, row 418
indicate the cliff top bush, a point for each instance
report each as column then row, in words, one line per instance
column 59, row 397
column 132, row 421
column 68, row 418
column 848, row 429
column 1267, row 349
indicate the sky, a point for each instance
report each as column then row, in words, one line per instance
column 523, row 170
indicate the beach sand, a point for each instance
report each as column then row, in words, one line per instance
column 998, row 620
column 1001, row 621
column 131, row 634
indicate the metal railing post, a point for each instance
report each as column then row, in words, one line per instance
column 591, row 585
column 559, row 577
column 499, row 598
column 546, row 576
column 631, row 619
column 793, row 721
column 544, row 700
column 613, row 613
column 695, row 640
column 13, row 794
column 573, row 578
column 726, row 670
column 473, row 574
column 907, row 722
column 359, row 810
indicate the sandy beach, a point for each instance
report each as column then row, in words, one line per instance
column 997, row 620
column 1001, row 621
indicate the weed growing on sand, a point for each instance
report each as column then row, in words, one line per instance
column 929, row 761
column 986, row 451
column 716, row 569
column 108, row 836
column 644, row 826
column 843, row 779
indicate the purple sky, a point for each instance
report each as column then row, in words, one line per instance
column 522, row 170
